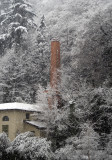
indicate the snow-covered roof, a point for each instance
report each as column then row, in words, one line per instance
column 20, row 106
column 40, row 125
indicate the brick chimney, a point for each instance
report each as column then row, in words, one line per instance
column 55, row 64
column 55, row 73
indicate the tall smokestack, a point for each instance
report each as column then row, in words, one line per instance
column 55, row 64
column 55, row 73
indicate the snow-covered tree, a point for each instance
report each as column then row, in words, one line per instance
column 88, row 143
column 25, row 146
column 84, row 147
column 96, row 51
column 18, row 27
column 68, row 152
column 60, row 122
column 4, row 144
column 16, row 24
column 108, row 150
column 43, row 51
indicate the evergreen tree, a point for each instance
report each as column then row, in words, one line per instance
column 43, row 52
column 17, row 26
column 4, row 6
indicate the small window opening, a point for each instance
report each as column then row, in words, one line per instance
column 27, row 115
column 5, row 118
column 5, row 128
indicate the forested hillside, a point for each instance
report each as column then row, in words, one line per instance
column 84, row 31
column 24, row 54
column 81, row 129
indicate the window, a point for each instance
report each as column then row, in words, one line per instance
column 27, row 115
column 5, row 128
column 33, row 132
column 5, row 118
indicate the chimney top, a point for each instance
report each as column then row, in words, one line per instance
column 55, row 39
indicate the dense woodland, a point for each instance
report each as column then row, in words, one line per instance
column 82, row 128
